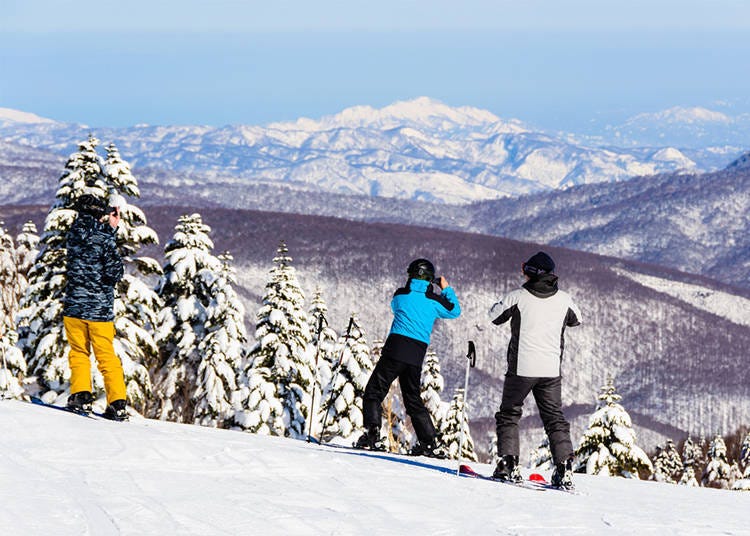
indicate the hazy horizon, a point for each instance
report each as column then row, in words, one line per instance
column 569, row 67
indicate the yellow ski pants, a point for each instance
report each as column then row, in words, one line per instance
column 82, row 336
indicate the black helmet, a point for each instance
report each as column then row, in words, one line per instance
column 421, row 269
column 90, row 204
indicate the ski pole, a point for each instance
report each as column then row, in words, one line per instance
column 471, row 355
column 312, row 402
column 333, row 380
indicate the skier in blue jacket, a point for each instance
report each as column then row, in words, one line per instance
column 415, row 307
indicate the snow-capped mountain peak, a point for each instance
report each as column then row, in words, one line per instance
column 679, row 114
column 421, row 113
column 9, row 115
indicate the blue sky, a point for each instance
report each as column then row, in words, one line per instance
column 555, row 64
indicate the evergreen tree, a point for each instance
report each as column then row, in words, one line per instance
column 541, row 457
column 690, row 453
column 280, row 357
column 492, row 445
column 10, row 285
column 12, row 363
column 182, row 322
column 718, row 472
column 608, row 446
column 322, row 348
column 456, row 420
column 258, row 407
column 342, row 407
column 431, row 386
column 744, row 482
column 27, row 248
column 688, row 478
column 667, row 464
column 137, row 305
column 42, row 339
column 221, row 349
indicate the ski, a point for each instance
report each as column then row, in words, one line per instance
column 92, row 415
column 466, row 471
column 535, row 481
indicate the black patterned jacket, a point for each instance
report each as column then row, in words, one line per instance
column 94, row 267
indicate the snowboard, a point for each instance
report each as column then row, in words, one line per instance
column 93, row 415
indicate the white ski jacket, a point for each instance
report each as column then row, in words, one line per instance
column 538, row 314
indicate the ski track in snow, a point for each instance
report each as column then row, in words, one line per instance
column 64, row 475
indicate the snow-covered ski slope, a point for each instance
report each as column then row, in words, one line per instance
column 66, row 475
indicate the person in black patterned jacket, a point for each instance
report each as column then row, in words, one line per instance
column 94, row 267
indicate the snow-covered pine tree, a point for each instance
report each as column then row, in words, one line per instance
column 10, row 284
column 491, row 445
column 12, row 363
column 42, row 337
column 718, row 473
column 342, row 398
column 744, row 482
column 431, row 386
column 221, row 349
column 667, row 463
column 322, row 348
column 137, row 304
column 280, row 358
column 27, row 248
column 688, row 478
column 455, row 420
column 701, row 452
column 540, row 458
column 690, row 453
column 182, row 321
column 608, row 446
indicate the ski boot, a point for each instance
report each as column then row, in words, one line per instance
column 80, row 402
column 116, row 411
column 507, row 469
column 431, row 449
column 562, row 476
column 370, row 440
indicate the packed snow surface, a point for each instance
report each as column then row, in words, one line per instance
column 68, row 475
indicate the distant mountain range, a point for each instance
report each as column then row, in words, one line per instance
column 695, row 223
column 418, row 150
column 687, row 128
column 692, row 222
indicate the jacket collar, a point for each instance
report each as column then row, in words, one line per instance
column 418, row 285
column 543, row 286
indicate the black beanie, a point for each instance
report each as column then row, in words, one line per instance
column 539, row 264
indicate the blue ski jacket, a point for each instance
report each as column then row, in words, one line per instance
column 416, row 307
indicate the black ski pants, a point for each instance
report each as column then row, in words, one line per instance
column 409, row 378
column 548, row 395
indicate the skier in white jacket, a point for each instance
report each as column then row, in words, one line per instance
column 539, row 313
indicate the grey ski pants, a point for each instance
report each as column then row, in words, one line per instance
column 548, row 395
